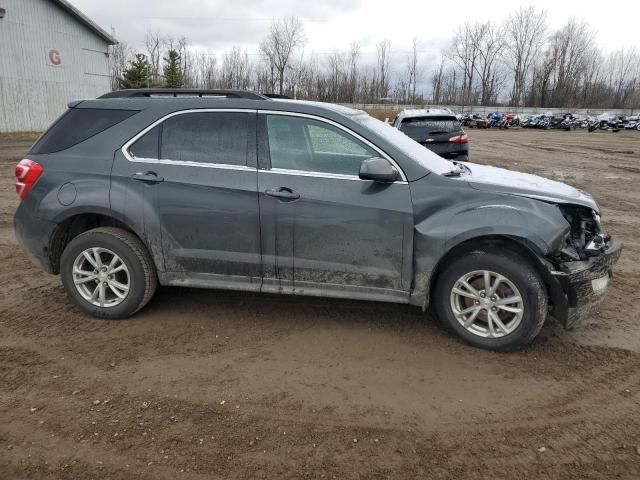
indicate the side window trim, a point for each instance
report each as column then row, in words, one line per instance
column 165, row 161
column 264, row 113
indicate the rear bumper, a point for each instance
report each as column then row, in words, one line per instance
column 34, row 235
column 584, row 284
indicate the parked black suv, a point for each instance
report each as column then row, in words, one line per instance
column 437, row 129
column 224, row 189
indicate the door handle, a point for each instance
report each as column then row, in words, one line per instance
column 148, row 177
column 282, row 193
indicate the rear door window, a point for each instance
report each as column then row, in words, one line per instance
column 77, row 125
column 207, row 137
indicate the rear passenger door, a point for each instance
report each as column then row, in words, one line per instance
column 198, row 169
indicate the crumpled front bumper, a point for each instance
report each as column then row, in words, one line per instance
column 584, row 284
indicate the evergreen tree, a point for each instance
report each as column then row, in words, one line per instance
column 172, row 70
column 137, row 75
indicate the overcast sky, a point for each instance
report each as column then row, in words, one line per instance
column 216, row 25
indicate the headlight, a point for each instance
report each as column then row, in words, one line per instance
column 596, row 217
column 597, row 221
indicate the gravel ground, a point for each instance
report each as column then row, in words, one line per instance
column 213, row 384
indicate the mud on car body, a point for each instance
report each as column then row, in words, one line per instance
column 234, row 190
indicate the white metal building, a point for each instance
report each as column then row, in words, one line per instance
column 50, row 54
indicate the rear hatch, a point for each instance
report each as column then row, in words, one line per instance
column 437, row 133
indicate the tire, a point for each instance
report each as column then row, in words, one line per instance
column 520, row 329
column 138, row 273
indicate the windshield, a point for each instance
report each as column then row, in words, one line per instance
column 425, row 157
column 420, row 127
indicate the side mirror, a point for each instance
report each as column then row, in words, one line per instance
column 378, row 170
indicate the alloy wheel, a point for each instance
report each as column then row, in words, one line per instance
column 101, row 277
column 487, row 304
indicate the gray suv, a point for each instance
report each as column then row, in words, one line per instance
column 235, row 190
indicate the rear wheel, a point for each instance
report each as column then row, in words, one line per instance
column 493, row 300
column 108, row 273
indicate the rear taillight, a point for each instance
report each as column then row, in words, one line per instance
column 464, row 138
column 27, row 174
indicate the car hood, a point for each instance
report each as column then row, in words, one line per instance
column 500, row 180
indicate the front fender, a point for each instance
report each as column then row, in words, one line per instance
column 539, row 226
column 442, row 226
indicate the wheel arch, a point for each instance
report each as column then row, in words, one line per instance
column 75, row 224
column 517, row 245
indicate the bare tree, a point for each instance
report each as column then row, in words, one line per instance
column 383, row 50
column 206, row 68
column 412, row 70
column 622, row 74
column 570, row 49
column 153, row 47
column 284, row 37
column 451, row 88
column 353, row 59
column 541, row 84
column 436, row 83
column 593, row 90
column 490, row 47
column 119, row 56
column 236, row 70
column 335, row 75
column 464, row 53
column 525, row 32
column 564, row 69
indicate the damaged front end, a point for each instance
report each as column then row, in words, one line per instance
column 585, row 238
column 583, row 266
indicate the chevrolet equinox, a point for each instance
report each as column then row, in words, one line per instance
column 235, row 190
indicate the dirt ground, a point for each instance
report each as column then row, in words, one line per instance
column 220, row 385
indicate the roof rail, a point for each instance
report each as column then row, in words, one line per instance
column 175, row 92
column 277, row 95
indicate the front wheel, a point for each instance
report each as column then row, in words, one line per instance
column 108, row 273
column 492, row 299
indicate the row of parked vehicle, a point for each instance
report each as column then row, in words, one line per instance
column 548, row 121
column 441, row 130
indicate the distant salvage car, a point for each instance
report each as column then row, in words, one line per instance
column 437, row 129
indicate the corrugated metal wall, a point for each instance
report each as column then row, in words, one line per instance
column 33, row 90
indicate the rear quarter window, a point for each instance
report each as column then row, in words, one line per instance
column 147, row 146
column 77, row 125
